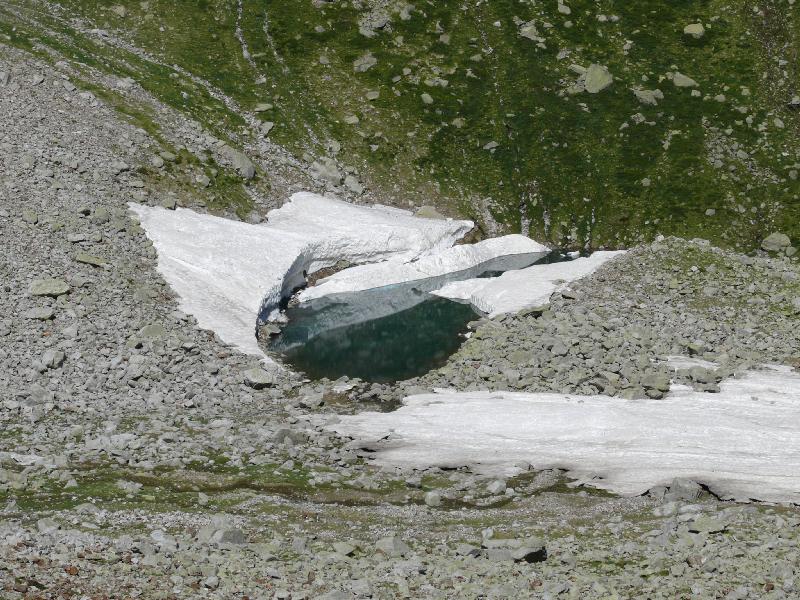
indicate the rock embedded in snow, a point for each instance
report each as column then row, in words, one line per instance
column 428, row 212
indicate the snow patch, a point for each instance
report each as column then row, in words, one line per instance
column 688, row 362
column 482, row 255
column 226, row 273
column 517, row 290
column 743, row 443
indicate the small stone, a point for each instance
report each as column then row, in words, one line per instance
column 43, row 313
column 649, row 97
column 230, row 536
column 498, row 486
column 90, row 259
column 682, row 81
column 707, row 524
column 656, row 381
column 101, row 215
column 53, row 359
column 392, row 546
column 30, row 217
column 433, row 499
column 364, row 63
column 153, row 331
column 49, row 287
column 352, row 184
column 344, row 548
column 262, row 107
column 46, row 526
column 597, row 79
column 426, row 98
column 169, row 203
column 532, row 550
column 695, row 30
column 157, row 162
column 257, row 378
column 240, row 162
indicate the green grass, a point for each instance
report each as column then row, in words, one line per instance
column 587, row 167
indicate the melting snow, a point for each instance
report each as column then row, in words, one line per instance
column 480, row 256
column 517, row 290
column 743, row 443
column 227, row 272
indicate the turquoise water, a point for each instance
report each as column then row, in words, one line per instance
column 384, row 334
column 392, row 348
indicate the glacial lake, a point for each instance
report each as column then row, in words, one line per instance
column 384, row 334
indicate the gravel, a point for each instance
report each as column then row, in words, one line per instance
column 140, row 456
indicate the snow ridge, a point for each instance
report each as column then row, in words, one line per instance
column 228, row 272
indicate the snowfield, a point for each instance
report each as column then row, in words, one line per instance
column 480, row 256
column 228, row 272
column 517, row 290
column 743, row 443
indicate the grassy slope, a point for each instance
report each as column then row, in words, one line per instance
column 503, row 88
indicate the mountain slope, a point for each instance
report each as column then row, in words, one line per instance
column 481, row 108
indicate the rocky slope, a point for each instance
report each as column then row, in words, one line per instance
column 139, row 456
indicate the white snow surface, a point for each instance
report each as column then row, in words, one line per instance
column 743, row 443
column 514, row 291
column 689, row 362
column 227, row 272
column 399, row 270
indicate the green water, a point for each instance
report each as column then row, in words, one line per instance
column 399, row 346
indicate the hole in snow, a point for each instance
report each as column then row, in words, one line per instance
column 384, row 334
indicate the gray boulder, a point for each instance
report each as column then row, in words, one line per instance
column 392, row 546
column 258, row 379
column 695, row 30
column 775, row 242
column 682, row 81
column 239, row 161
column 597, row 79
column 49, row 287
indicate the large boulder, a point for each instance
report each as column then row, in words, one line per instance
column 239, row 161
